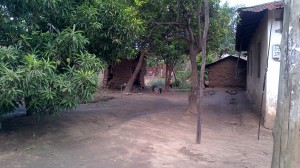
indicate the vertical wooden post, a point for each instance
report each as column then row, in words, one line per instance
column 202, row 72
column 286, row 128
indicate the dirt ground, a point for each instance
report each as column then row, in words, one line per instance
column 140, row 131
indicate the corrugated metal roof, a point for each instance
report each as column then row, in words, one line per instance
column 262, row 7
column 250, row 18
column 241, row 59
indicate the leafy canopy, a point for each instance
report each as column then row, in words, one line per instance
column 112, row 27
column 47, row 82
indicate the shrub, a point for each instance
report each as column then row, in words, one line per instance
column 158, row 83
column 47, row 83
column 182, row 80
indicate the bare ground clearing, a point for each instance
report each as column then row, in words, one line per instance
column 140, row 131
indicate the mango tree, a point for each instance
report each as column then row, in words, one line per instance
column 47, row 81
column 49, row 53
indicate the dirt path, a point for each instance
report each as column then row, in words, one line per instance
column 140, row 131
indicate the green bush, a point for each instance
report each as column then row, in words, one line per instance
column 47, row 83
column 158, row 83
column 182, row 80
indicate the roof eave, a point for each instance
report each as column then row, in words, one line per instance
column 250, row 18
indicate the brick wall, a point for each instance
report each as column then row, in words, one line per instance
column 223, row 73
column 121, row 73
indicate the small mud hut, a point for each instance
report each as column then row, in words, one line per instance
column 230, row 72
column 120, row 73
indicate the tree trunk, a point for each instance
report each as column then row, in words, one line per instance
column 202, row 72
column 158, row 70
column 135, row 73
column 175, row 78
column 167, row 78
column 286, row 127
column 194, row 85
column 105, row 78
column 169, row 69
column 29, row 111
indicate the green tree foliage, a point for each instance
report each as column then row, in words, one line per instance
column 177, row 25
column 112, row 27
column 48, row 66
column 221, row 35
column 48, row 81
column 171, row 52
column 169, row 18
column 49, row 48
column 209, row 59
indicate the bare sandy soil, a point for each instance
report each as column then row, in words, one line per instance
column 140, row 131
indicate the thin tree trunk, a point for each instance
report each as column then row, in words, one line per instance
column 194, row 85
column 135, row 73
column 286, row 129
column 167, row 78
column 202, row 72
column 175, row 77
column 157, row 70
column 171, row 69
column 105, row 78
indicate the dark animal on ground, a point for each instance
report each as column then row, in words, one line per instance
column 156, row 88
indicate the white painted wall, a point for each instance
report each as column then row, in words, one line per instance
column 255, row 81
column 273, row 69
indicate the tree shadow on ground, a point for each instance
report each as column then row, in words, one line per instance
column 87, row 119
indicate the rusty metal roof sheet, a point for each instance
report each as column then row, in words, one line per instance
column 240, row 59
column 262, row 7
column 250, row 18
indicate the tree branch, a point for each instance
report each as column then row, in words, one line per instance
column 167, row 23
column 206, row 11
column 190, row 31
column 187, row 36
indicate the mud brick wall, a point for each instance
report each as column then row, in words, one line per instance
column 122, row 73
column 223, row 73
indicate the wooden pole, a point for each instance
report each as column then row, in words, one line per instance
column 286, row 130
column 202, row 72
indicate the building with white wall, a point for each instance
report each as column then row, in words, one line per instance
column 259, row 33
